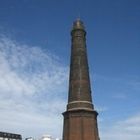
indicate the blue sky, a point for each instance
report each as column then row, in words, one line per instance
column 35, row 48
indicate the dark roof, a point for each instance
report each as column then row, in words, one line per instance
column 10, row 135
column 78, row 24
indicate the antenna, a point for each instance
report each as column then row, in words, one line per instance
column 78, row 10
column 79, row 15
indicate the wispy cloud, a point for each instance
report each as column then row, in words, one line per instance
column 33, row 85
column 33, row 90
column 101, row 108
column 136, row 85
column 120, row 96
column 126, row 129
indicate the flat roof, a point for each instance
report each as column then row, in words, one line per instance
column 10, row 135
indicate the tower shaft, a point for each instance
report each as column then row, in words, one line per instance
column 79, row 82
column 80, row 119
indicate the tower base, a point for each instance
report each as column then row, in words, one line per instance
column 80, row 125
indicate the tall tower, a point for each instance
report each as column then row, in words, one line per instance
column 80, row 118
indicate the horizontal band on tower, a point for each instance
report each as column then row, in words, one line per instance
column 80, row 108
column 79, row 102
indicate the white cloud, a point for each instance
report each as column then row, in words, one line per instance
column 128, row 129
column 135, row 85
column 32, row 84
column 101, row 108
column 120, row 96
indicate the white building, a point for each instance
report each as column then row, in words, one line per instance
column 48, row 137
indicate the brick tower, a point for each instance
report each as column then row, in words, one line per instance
column 80, row 118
